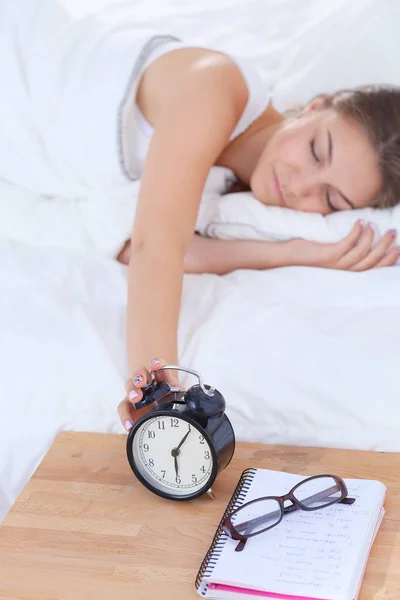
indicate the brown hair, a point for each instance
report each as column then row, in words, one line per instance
column 376, row 108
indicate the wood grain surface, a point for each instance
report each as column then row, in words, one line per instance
column 84, row 527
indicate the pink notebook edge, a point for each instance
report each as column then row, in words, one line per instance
column 258, row 593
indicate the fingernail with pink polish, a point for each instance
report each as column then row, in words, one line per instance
column 133, row 395
column 128, row 425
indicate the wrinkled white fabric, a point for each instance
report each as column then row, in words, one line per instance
column 303, row 356
column 59, row 141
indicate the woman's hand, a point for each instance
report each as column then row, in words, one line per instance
column 140, row 378
column 355, row 252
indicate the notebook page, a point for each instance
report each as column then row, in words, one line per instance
column 316, row 554
column 228, row 592
column 366, row 556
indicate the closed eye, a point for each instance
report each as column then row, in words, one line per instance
column 316, row 158
column 312, row 147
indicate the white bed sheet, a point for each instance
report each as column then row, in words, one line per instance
column 303, row 356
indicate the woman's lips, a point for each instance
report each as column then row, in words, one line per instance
column 278, row 189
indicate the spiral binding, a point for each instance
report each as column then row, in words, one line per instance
column 220, row 537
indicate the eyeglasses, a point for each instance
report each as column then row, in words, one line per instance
column 261, row 514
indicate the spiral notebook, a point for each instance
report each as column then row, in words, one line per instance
column 319, row 555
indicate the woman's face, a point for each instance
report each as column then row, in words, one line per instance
column 321, row 162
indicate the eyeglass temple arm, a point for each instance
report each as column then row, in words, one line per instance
column 288, row 509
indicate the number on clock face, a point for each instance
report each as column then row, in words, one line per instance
column 172, row 455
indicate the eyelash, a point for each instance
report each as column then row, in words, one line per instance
column 315, row 157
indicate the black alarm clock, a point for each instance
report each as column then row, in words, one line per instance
column 183, row 441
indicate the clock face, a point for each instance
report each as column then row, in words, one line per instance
column 173, row 456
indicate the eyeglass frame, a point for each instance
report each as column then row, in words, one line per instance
column 229, row 528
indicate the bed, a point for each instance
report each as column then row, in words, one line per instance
column 303, row 356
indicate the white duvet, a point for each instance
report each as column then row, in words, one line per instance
column 303, row 356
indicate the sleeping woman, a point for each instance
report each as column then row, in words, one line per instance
column 194, row 108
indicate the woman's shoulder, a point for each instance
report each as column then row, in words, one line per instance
column 168, row 59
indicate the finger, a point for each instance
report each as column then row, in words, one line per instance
column 125, row 413
column 350, row 240
column 134, row 393
column 129, row 414
column 389, row 259
column 170, row 376
column 157, row 363
column 359, row 251
column 140, row 377
column 377, row 253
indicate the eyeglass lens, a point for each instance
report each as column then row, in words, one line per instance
column 257, row 516
column 263, row 514
column 318, row 492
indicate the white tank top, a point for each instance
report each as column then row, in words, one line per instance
column 140, row 130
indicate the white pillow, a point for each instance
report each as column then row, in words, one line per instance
column 241, row 216
column 344, row 43
column 103, row 226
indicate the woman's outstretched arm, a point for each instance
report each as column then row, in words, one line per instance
column 193, row 125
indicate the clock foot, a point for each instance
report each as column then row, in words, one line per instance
column 211, row 494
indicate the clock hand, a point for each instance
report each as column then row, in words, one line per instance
column 175, row 451
column 184, row 438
